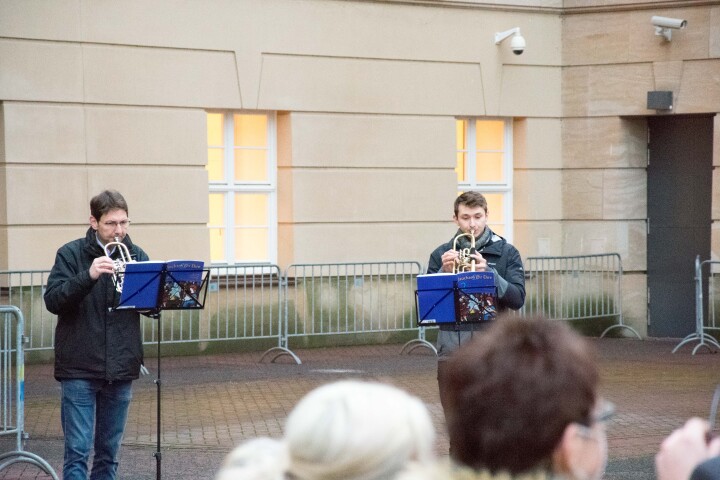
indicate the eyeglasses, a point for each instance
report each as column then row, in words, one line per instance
column 113, row 225
column 604, row 412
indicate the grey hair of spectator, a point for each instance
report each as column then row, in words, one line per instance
column 257, row 459
column 348, row 430
column 357, row 430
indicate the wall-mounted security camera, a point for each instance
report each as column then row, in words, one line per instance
column 517, row 44
column 663, row 26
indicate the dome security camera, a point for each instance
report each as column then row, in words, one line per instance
column 517, row 44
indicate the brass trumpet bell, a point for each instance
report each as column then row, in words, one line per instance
column 465, row 262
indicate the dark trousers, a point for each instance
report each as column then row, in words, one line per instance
column 442, row 376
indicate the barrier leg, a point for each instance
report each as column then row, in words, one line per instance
column 26, row 457
column 278, row 352
column 705, row 340
column 620, row 325
column 418, row 343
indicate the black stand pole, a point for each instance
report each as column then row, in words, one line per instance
column 194, row 287
column 158, row 453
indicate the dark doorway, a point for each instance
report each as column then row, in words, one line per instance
column 679, row 178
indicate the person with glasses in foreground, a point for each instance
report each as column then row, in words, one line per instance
column 523, row 403
column 98, row 352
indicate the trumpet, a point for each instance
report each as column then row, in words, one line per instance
column 464, row 262
column 119, row 263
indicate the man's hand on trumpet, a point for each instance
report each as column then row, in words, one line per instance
column 451, row 258
column 101, row 265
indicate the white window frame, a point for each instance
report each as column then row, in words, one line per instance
column 229, row 187
column 504, row 187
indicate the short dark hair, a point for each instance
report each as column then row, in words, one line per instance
column 105, row 201
column 471, row 200
column 514, row 389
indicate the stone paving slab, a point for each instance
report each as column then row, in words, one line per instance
column 212, row 403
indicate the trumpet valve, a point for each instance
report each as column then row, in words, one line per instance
column 119, row 263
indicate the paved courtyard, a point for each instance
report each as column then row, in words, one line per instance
column 211, row 403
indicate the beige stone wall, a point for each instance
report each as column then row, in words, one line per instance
column 612, row 59
column 113, row 94
column 715, row 231
column 366, row 187
column 537, row 199
column 58, row 156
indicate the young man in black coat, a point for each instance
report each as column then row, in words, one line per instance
column 493, row 253
column 98, row 351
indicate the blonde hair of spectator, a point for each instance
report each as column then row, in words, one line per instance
column 357, row 430
column 256, row 459
column 349, row 430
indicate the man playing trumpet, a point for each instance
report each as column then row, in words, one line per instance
column 490, row 252
column 98, row 351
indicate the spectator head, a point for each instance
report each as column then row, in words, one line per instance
column 523, row 397
column 357, row 430
column 349, row 430
column 257, row 459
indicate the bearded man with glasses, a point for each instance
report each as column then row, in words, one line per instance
column 98, row 350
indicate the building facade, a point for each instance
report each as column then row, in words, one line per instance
column 307, row 131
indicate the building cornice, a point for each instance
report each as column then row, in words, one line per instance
column 589, row 6
column 640, row 5
column 470, row 4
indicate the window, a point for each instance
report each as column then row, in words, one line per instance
column 484, row 163
column 243, row 185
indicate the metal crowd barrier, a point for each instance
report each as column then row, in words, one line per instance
column 243, row 302
column 24, row 289
column 576, row 288
column 352, row 298
column 12, row 390
column 253, row 301
column 701, row 327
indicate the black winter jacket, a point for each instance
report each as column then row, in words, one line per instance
column 707, row 470
column 506, row 261
column 91, row 342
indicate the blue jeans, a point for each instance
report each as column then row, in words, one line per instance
column 93, row 410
